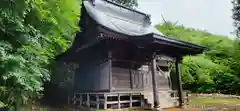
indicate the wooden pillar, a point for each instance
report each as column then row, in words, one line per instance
column 88, row 100
column 119, row 104
column 130, row 104
column 179, row 81
column 131, row 76
column 105, row 101
column 80, row 98
column 142, row 100
column 97, row 100
column 110, row 69
column 154, row 80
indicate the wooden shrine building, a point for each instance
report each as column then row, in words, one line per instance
column 120, row 60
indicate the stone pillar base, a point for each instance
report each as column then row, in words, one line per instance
column 184, row 106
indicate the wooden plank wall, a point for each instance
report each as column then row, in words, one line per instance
column 141, row 78
column 121, row 78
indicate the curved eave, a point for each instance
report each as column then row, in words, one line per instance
column 116, row 23
column 192, row 49
column 181, row 45
column 119, row 19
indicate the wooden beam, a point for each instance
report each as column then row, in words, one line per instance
column 179, row 81
column 154, row 80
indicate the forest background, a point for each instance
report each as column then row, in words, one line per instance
column 34, row 32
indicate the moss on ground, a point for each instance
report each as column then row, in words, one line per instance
column 207, row 100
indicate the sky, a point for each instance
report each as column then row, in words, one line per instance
column 213, row 16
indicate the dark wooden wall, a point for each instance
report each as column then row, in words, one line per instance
column 93, row 72
column 93, row 78
column 121, row 79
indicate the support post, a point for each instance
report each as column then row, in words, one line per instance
column 130, row 104
column 105, row 101
column 88, row 100
column 119, row 104
column 154, row 80
column 97, row 100
column 110, row 69
column 131, row 76
column 142, row 100
column 179, row 82
column 80, row 98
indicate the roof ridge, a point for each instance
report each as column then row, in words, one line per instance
column 147, row 16
column 134, row 10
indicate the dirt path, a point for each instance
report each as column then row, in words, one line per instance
column 188, row 109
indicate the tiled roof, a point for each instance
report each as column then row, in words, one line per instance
column 119, row 18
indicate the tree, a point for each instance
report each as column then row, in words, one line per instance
column 32, row 33
column 217, row 69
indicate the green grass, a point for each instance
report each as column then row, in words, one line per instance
column 206, row 101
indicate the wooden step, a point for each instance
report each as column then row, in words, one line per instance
column 165, row 99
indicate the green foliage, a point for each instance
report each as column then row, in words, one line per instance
column 32, row 32
column 217, row 69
